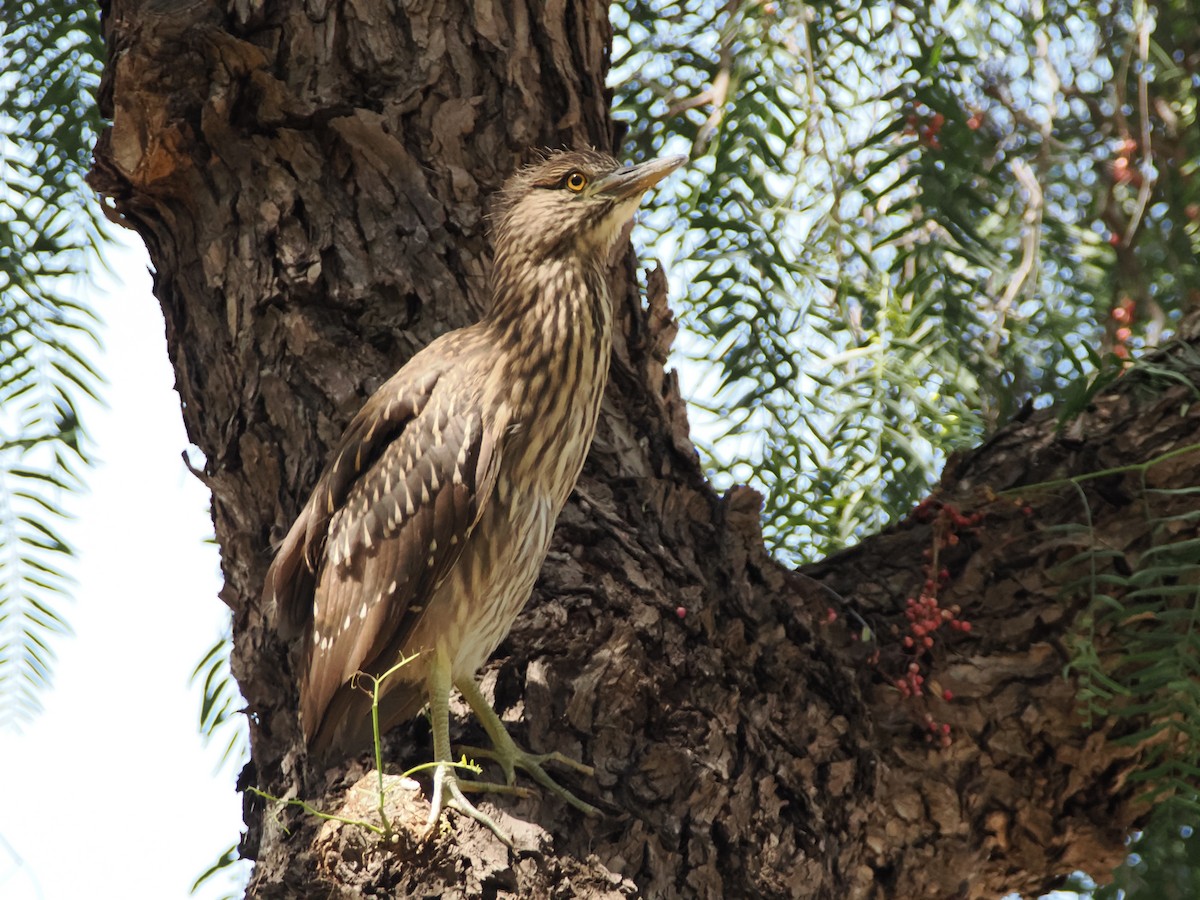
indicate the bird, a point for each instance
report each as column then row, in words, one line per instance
column 425, row 533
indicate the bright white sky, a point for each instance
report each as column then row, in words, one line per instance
column 110, row 793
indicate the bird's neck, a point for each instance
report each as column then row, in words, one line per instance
column 554, row 322
column 549, row 312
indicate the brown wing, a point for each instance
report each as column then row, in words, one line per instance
column 290, row 579
column 385, row 524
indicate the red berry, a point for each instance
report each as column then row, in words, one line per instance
column 947, row 695
column 681, row 611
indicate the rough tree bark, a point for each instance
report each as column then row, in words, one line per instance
column 311, row 181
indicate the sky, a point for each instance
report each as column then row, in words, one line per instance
column 111, row 792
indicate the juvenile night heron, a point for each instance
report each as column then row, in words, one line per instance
column 426, row 531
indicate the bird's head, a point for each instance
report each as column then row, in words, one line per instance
column 575, row 201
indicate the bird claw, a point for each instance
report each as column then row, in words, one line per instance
column 526, row 760
column 504, row 750
column 493, row 787
column 510, row 757
column 445, row 781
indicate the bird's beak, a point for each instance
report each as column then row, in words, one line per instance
column 633, row 181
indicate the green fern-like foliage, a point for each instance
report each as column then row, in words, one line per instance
column 221, row 723
column 221, row 702
column 904, row 222
column 47, row 222
column 1136, row 652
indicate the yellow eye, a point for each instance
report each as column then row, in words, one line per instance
column 576, row 182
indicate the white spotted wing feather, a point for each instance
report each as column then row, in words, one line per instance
column 385, row 524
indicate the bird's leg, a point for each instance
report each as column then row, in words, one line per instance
column 510, row 756
column 444, row 780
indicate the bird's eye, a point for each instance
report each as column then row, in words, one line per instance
column 576, row 182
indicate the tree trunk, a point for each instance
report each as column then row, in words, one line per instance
column 311, row 181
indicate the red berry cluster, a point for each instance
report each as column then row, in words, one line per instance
column 925, row 126
column 912, row 683
column 1122, row 316
column 945, row 515
column 925, row 614
column 1124, row 167
column 925, row 617
column 938, row 732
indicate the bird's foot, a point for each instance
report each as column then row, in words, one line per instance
column 448, row 794
column 510, row 756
